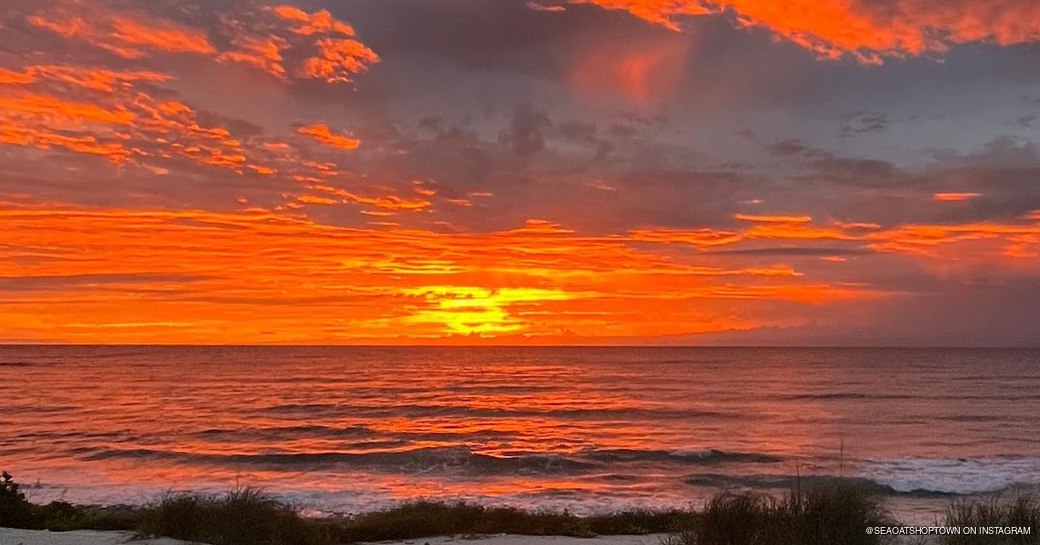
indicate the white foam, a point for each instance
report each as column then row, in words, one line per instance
column 953, row 475
column 698, row 453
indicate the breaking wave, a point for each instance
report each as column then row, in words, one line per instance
column 449, row 459
column 915, row 477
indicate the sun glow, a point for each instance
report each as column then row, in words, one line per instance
column 468, row 310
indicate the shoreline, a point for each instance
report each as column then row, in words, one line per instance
column 246, row 516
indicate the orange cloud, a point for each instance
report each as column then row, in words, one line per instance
column 701, row 238
column 321, row 46
column 54, row 111
column 774, row 219
column 331, row 51
column 955, row 197
column 45, row 122
column 1014, row 240
column 319, row 22
column 158, row 35
column 659, row 12
column 1020, row 239
column 535, row 6
column 120, row 121
column 14, row 77
column 323, row 134
column 388, row 204
column 261, row 52
column 865, row 30
column 95, row 79
column 114, row 151
column 338, row 60
column 121, row 34
column 194, row 276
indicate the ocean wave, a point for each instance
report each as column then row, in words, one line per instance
column 978, row 418
column 453, row 459
column 845, row 395
column 108, row 436
column 954, row 475
column 804, row 482
column 420, row 410
column 693, row 457
column 330, row 432
column 37, row 409
column 390, row 456
column 323, row 432
column 915, row 477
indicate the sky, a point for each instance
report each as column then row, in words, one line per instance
column 676, row 172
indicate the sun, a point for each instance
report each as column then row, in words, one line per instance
column 468, row 310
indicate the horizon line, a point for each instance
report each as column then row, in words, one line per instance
column 435, row 345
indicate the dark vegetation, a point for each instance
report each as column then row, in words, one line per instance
column 826, row 515
column 823, row 516
column 247, row 516
column 1018, row 511
column 17, row 512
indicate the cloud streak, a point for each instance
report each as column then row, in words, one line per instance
column 323, row 134
column 865, row 30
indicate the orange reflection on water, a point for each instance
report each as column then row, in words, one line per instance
column 357, row 428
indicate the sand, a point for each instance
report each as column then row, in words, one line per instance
column 87, row 537
column 10, row 536
column 534, row 540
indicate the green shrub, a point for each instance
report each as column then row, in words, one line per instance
column 15, row 510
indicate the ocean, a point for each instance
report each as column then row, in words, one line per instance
column 350, row 429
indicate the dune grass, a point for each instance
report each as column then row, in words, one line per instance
column 836, row 514
column 247, row 517
column 997, row 511
column 242, row 516
column 831, row 515
column 423, row 519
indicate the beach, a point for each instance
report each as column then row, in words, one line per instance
column 11, row 536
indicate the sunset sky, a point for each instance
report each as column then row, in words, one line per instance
column 852, row 172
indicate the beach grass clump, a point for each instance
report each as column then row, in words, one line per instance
column 61, row 516
column 820, row 516
column 424, row 519
column 242, row 516
column 1019, row 511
